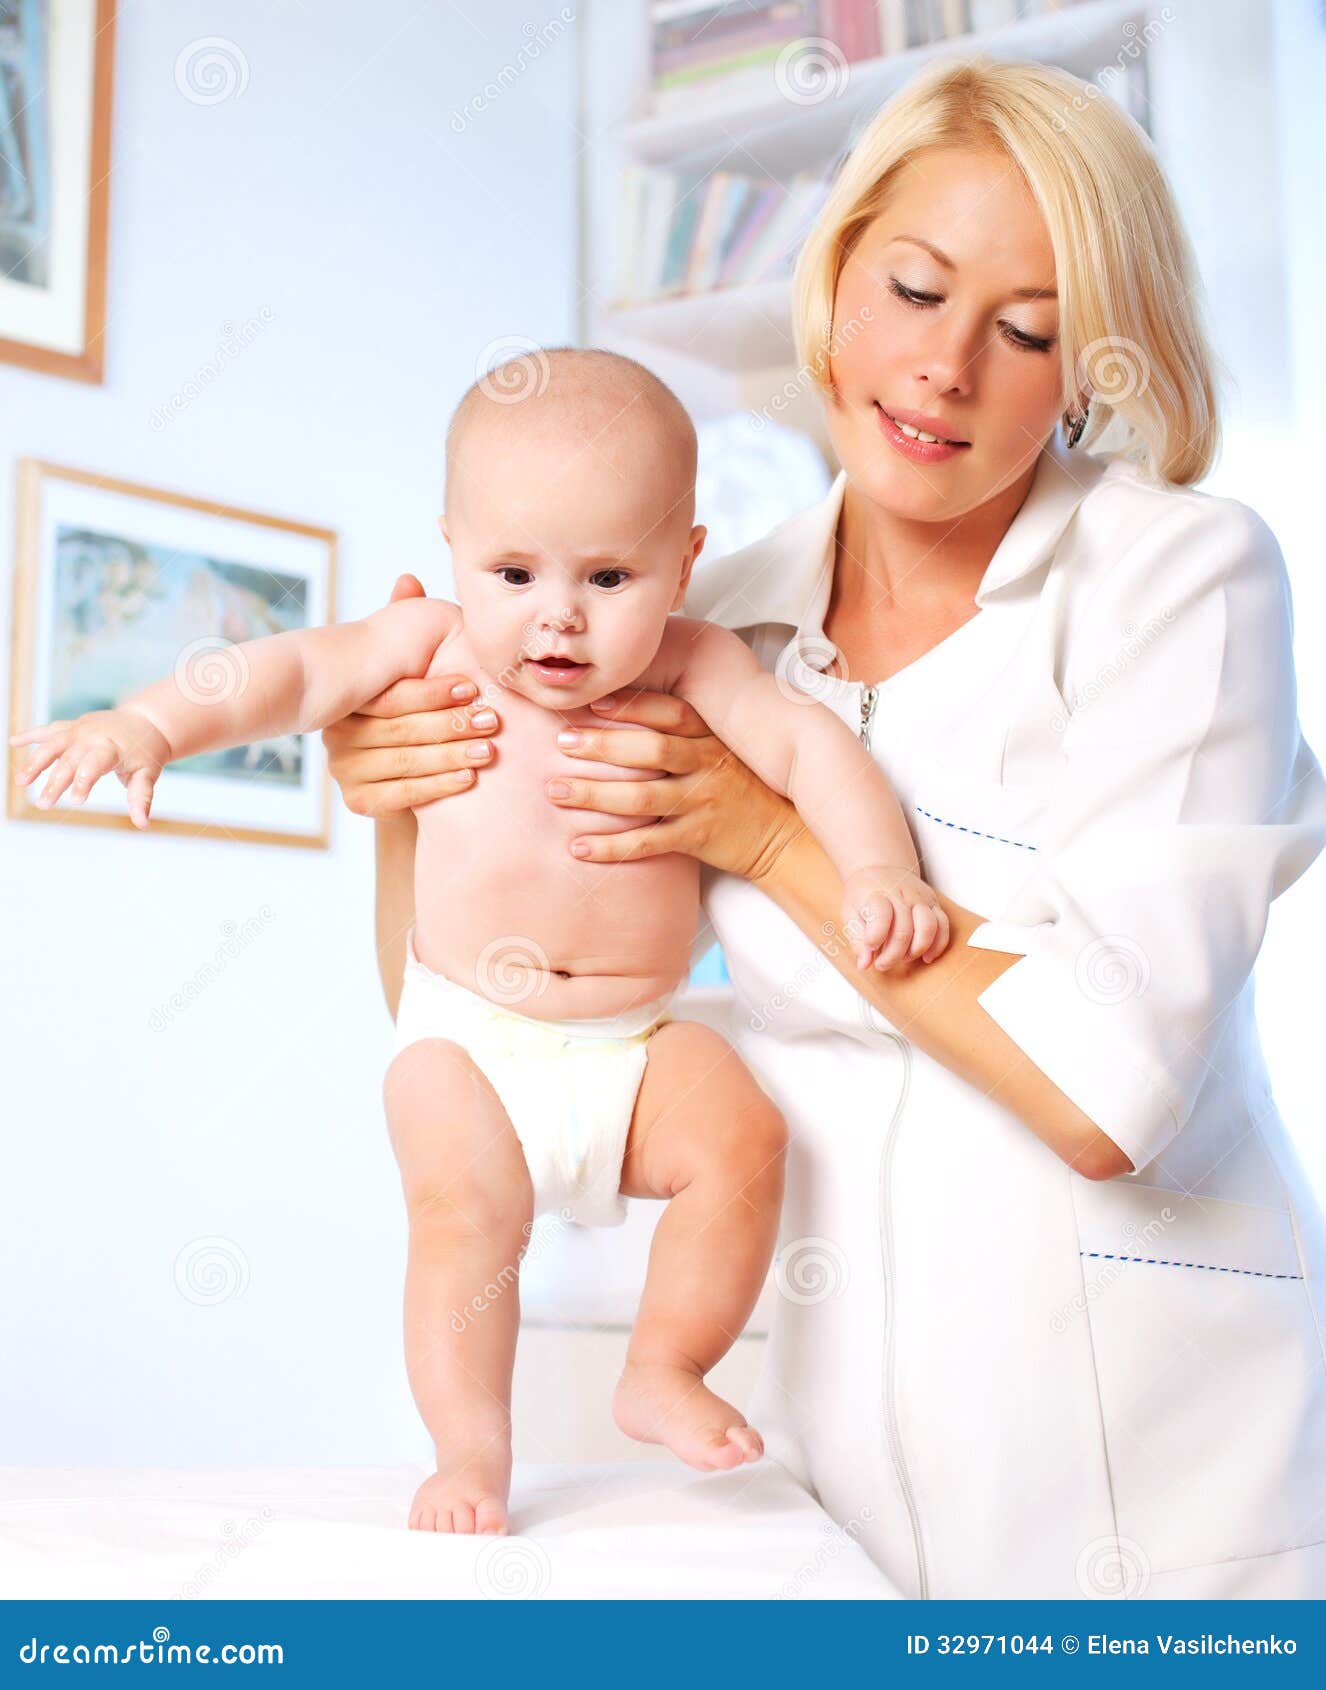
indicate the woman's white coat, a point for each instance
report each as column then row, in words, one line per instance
column 1005, row 1378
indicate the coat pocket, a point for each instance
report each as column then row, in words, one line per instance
column 1209, row 1371
column 977, row 838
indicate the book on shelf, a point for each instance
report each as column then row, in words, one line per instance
column 683, row 234
column 699, row 48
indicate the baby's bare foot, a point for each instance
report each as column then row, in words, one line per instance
column 469, row 1491
column 659, row 1404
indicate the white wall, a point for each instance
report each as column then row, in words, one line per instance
column 1299, row 67
column 1213, row 101
column 334, row 192
column 1279, row 473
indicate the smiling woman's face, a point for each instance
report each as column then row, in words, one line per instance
column 957, row 272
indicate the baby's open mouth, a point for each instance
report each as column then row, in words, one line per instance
column 557, row 671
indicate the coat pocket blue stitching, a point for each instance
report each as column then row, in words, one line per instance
column 975, row 832
column 1207, row 1267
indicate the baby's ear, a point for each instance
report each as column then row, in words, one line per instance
column 694, row 546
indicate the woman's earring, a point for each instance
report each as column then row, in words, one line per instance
column 1075, row 429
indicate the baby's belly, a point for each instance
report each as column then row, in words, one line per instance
column 504, row 909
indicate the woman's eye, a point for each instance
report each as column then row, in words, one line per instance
column 910, row 296
column 1015, row 337
column 1026, row 342
column 599, row 580
column 514, row 569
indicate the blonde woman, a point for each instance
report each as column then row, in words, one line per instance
column 1053, row 1284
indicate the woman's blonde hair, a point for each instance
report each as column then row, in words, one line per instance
column 1130, row 324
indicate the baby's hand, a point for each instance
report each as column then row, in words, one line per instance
column 90, row 747
column 893, row 908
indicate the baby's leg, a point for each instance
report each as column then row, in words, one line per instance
column 468, row 1193
column 706, row 1137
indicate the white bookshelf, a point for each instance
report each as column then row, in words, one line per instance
column 732, row 348
column 775, row 136
column 731, row 329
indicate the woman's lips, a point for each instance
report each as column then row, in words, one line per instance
column 919, row 451
column 558, row 674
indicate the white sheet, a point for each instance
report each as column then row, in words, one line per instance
column 631, row 1529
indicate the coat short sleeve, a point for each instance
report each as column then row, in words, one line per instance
column 1187, row 801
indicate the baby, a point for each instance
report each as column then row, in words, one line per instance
column 536, row 1068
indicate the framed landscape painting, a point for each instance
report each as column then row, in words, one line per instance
column 119, row 585
column 55, row 135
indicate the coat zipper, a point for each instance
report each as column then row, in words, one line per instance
column 868, row 697
column 888, row 1276
column 888, row 1272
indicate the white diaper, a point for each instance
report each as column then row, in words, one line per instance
column 569, row 1087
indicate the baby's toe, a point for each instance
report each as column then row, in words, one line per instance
column 747, row 1440
column 424, row 1518
column 462, row 1518
column 490, row 1516
column 719, row 1451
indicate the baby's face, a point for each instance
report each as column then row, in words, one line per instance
column 567, row 567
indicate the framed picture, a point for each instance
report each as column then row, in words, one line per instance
column 118, row 585
column 55, row 117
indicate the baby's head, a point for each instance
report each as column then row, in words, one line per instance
column 570, row 509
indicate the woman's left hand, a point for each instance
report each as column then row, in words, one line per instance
column 710, row 805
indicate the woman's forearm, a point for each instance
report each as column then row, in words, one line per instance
column 395, row 843
column 934, row 1005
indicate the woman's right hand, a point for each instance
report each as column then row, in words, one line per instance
column 416, row 741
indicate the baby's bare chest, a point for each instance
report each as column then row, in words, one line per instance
column 509, row 799
column 495, row 858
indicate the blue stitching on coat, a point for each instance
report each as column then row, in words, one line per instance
column 976, row 832
column 1209, row 1267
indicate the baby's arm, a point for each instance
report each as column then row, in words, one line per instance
column 801, row 749
column 296, row 682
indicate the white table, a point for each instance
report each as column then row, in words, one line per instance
column 632, row 1529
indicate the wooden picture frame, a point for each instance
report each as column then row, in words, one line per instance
column 116, row 584
column 56, row 75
